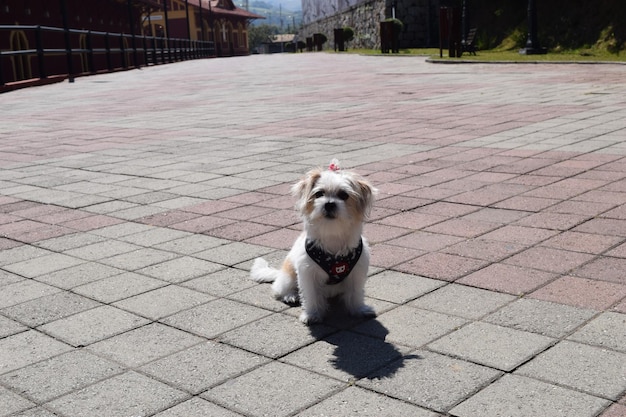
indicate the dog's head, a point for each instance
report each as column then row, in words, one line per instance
column 334, row 198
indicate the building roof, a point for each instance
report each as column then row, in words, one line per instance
column 224, row 8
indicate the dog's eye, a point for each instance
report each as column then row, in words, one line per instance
column 319, row 194
column 343, row 195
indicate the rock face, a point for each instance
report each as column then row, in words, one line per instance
column 420, row 18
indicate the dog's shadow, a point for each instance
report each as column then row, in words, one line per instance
column 361, row 349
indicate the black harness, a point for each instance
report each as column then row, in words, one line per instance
column 337, row 267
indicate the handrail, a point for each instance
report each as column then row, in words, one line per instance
column 100, row 52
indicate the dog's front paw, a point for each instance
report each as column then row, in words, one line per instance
column 310, row 318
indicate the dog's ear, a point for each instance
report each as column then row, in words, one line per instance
column 366, row 195
column 302, row 189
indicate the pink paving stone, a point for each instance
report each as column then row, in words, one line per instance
column 380, row 213
column 612, row 227
column 554, row 221
column 167, row 218
column 581, row 292
column 47, row 232
column 462, row 227
column 249, row 198
column 245, row 212
column 533, row 180
column 18, row 228
column 412, row 220
column 8, row 243
column 583, row 208
column 278, row 239
column 17, row 206
column 494, row 215
column 508, row 279
column 5, row 199
column 553, row 191
column 616, row 410
column 616, row 213
column 441, row 266
column 279, row 218
column 604, row 269
column 428, row 242
column 92, row 222
column 240, row 231
column 402, row 203
column 63, row 216
column 378, row 233
column 201, row 224
column 433, row 193
column 389, row 188
column 280, row 189
column 520, row 234
column 582, row 242
column 523, row 166
column 549, row 259
column 617, row 186
column 443, row 208
column 387, row 256
column 599, row 196
column 211, row 207
column 8, row 218
column 38, row 211
column 489, row 250
column 526, row 203
column 619, row 252
column 283, row 202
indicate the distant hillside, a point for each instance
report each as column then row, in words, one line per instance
column 281, row 13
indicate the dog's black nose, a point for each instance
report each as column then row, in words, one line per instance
column 330, row 208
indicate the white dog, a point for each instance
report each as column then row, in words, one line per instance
column 331, row 257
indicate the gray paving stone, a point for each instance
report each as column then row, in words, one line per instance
column 25, row 348
column 216, row 317
column 260, row 296
column 12, row 403
column 90, row 326
column 274, row 389
column 102, row 249
column 347, row 356
column 543, row 317
column 129, row 394
column 43, row 265
column 7, row 278
column 120, row 230
column 197, row 407
column 79, row 275
column 163, row 301
column 60, row 375
column 355, row 401
column 155, row 236
column 275, row 335
column 426, row 326
column 141, row 258
column 608, row 330
column 398, row 287
column 202, row 366
column 25, row 290
column 34, row 412
column 21, row 253
column 221, row 283
column 191, row 244
column 118, row 287
column 67, row 242
column 516, row 396
column 49, row 308
column 9, row 327
column 466, row 302
column 181, row 269
column 431, row 380
column 144, row 344
column 495, row 346
column 233, row 253
column 586, row 368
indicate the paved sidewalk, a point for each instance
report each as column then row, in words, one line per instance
column 132, row 204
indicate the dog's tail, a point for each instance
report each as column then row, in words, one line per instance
column 261, row 271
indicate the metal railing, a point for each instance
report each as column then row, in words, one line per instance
column 73, row 52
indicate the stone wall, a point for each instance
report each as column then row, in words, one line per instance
column 363, row 18
column 420, row 18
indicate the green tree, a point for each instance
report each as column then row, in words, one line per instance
column 260, row 34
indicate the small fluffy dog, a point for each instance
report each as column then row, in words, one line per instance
column 331, row 257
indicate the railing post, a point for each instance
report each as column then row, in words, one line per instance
column 90, row 61
column 40, row 54
column 107, row 47
column 68, row 42
column 123, row 52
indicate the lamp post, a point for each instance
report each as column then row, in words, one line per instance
column 532, row 43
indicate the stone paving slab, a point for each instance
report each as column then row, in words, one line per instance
column 132, row 205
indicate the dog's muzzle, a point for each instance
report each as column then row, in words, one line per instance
column 330, row 210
